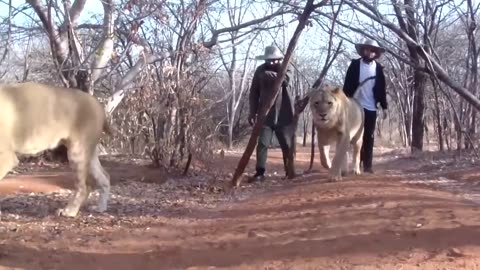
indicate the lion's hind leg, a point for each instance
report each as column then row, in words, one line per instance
column 102, row 181
column 357, row 146
column 357, row 143
column 8, row 161
column 345, row 164
column 79, row 156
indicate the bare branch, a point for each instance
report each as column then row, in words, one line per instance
column 121, row 88
column 106, row 47
column 215, row 33
column 330, row 58
column 9, row 36
column 41, row 13
column 76, row 9
column 436, row 68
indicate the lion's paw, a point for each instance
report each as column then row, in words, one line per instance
column 98, row 208
column 357, row 171
column 335, row 177
column 66, row 212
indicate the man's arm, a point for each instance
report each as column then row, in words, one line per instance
column 348, row 84
column 254, row 94
column 382, row 89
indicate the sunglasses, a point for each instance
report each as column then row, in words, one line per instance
column 273, row 61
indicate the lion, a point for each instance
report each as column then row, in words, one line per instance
column 37, row 117
column 337, row 119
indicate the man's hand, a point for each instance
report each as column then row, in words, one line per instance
column 271, row 74
column 252, row 119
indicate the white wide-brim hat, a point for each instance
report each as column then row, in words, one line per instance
column 369, row 43
column 271, row 53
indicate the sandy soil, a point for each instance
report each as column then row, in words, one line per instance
column 416, row 212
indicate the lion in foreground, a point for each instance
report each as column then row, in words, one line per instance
column 36, row 117
column 338, row 119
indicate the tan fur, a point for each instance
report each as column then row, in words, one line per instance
column 36, row 117
column 338, row 119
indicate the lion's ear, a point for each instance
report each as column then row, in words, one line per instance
column 336, row 90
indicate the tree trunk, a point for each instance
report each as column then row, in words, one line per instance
column 418, row 115
column 230, row 134
column 299, row 108
column 408, row 129
column 473, row 127
column 233, row 99
column 458, row 126
column 438, row 120
column 473, row 52
column 305, row 133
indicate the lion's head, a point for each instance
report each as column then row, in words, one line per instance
column 326, row 105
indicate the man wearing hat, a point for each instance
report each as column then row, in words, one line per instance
column 280, row 117
column 365, row 82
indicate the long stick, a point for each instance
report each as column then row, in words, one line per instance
column 302, row 21
column 299, row 108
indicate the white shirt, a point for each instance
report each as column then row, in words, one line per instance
column 364, row 94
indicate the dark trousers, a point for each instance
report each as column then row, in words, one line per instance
column 366, row 154
column 284, row 136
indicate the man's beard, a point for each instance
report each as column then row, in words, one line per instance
column 368, row 59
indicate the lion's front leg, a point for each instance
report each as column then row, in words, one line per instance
column 324, row 156
column 339, row 158
column 102, row 182
column 8, row 161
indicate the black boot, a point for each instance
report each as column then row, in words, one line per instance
column 368, row 170
column 259, row 176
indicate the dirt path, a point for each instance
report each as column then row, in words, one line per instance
column 399, row 218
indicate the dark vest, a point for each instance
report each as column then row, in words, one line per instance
column 352, row 80
column 281, row 113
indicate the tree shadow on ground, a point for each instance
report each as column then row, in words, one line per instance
column 241, row 252
column 301, row 220
column 39, row 193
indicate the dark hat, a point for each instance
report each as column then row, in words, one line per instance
column 271, row 53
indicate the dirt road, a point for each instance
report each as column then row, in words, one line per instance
column 414, row 213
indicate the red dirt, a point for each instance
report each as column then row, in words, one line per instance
column 159, row 222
